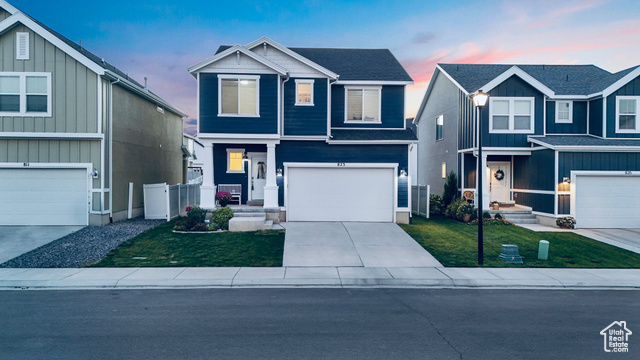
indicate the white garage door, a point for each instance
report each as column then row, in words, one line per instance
column 607, row 202
column 340, row 194
column 43, row 197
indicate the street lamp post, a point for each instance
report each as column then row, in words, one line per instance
column 480, row 100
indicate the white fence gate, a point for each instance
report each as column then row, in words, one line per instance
column 420, row 200
column 162, row 201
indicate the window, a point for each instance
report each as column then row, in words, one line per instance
column 362, row 104
column 627, row 109
column 238, row 95
column 513, row 115
column 234, row 160
column 564, row 112
column 304, row 92
column 439, row 127
column 25, row 94
column 22, row 46
column 444, row 170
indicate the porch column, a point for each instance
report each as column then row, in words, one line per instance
column 271, row 187
column 485, row 184
column 207, row 189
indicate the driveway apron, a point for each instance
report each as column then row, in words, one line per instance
column 355, row 244
column 17, row 240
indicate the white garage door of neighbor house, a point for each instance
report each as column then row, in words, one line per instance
column 607, row 202
column 43, row 197
column 340, row 194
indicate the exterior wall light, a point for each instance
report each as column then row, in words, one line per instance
column 566, row 180
column 403, row 173
column 279, row 172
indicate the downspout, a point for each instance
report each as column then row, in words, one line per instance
column 329, row 136
column 281, row 95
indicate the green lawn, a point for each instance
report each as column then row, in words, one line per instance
column 456, row 244
column 160, row 247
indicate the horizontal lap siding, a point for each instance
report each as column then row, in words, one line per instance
column 578, row 125
column 306, row 120
column 210, row 122
column 632, row 88
column 392, row 108
column 74, row 87
column 513, row 87
column 321, row 152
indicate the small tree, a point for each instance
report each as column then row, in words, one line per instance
column 450, row 189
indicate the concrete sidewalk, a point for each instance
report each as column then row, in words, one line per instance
column 435, row 277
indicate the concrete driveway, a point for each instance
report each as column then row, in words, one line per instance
column 17, row 240
column 628, row 239
column 352, row 244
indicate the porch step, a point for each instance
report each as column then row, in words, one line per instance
column 250, row 222
column 521, row 218
column 250, row 214
column 255, row 202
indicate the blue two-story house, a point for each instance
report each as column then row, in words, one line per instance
column 561, row 140
column 316, row 134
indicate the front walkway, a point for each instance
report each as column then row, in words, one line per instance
column 357, row 244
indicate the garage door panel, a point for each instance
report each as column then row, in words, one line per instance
column 43, row 197
column 607, row 202
column 340, row 194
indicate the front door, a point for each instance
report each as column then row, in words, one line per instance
column 499, row 181
column 258, row 175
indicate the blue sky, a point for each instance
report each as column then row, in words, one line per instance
column 161, row 39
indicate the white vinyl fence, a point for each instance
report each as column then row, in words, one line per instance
column 420, row 200
column 162, row 201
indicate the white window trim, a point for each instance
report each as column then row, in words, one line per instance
column 301, row 81
column 346, row 104
column 24, row 56
column 570, row 121
column 239, row 77
column 511, row 115
column 23, row 95
column 441, row 118
column 229, row 171
column 627, row 131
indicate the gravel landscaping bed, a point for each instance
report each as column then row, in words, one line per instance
column 82, row 247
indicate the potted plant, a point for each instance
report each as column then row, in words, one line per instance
column 223, row 198
column 566, row 222
column 495, row 205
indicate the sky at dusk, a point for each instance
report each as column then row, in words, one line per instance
column 160, row 39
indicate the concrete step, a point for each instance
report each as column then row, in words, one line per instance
column 519, row 216
column 509, row 211
column 524, row 221
column 268, row 225
column 263, row 215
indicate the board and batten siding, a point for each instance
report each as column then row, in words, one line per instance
column 391, row 108
column 74, row 87
column 595, row 117
column 513, row 87
column 4, row 14
column 301, row 120
column 632, row 88
column 266, row 123
column 577, row 126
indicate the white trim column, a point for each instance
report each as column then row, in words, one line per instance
column 485, row 184
column 271, row 187
column 207, row 189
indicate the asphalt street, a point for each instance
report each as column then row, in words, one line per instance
column 314, row 324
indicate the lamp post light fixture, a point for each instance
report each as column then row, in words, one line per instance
column 480, row 100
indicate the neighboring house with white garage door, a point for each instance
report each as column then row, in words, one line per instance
column 75, row 131
column 563, row 140
column 316, row 134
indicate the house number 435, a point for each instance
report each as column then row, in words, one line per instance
column 342, row 164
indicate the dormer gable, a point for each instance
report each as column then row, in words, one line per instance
column 238, row 59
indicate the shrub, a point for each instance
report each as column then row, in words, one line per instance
column 497, row 216
column 567, row 221
column 491, row 222
column 450, row 189
column 200, row 227
column 452, row 209
column 220, row 218
column 195, row 216
column 436, row 205
column 486, row 215
column 464, row 210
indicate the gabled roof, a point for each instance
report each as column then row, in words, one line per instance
column 238, row 49
column 354, row 64
column 585, row 142
column 85, row 57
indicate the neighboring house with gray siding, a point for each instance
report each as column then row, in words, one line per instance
column 75, row 131
column 561, row 140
